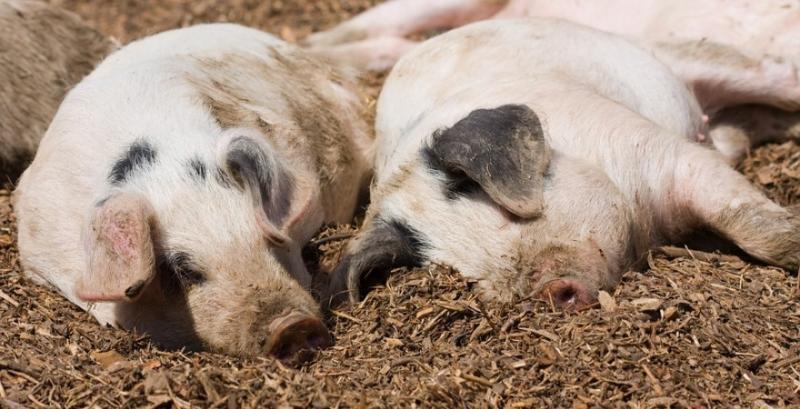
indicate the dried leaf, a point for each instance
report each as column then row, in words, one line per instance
column 647, row 304
column 107, row 358
column 607, row 302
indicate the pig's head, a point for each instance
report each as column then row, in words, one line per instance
column 203, row 251
column 489, row 197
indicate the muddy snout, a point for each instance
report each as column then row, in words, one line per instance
column 296, row 336
column 569, row 294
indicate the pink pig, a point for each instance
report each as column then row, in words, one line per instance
column 542, row 157
column 178, row 182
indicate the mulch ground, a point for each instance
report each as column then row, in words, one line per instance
column 691, row 331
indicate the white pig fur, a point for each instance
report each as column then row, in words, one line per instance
column 624, row 170
column 149, row 130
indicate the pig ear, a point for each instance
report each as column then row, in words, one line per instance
column 380, row 247
column 257, row 169
column 503, row 150
column 120, row 250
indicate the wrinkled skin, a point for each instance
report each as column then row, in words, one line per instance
column 178, row 182
column 544, row 158
column 45, row 51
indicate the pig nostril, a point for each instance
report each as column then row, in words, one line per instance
column 282, row 352
column 296, row 336
column 567, row 294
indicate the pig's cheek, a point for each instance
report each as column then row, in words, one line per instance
column 209, row 311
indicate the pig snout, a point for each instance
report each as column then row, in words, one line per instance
column 568, row 294
column 295, row 336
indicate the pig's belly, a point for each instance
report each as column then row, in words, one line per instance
column 759, row 26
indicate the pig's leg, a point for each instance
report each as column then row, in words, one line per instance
column 374, row 54
column 399, row 18
column 706, row 192
column 721, row 76
column 735, row 130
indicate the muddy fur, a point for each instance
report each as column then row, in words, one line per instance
column 772, row 235
column 45, row 51
column 306, row 112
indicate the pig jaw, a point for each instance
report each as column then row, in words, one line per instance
column 229, row 316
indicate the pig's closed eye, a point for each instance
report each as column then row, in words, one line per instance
column 180, row 272
column 458, row 184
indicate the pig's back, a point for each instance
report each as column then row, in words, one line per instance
column 534, row 61
column 207, row 40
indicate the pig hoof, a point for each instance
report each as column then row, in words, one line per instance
column 568, row 294
column 296, row 337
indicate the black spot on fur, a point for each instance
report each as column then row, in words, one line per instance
column 384, row 246
column 139, row 155
column 198, row 169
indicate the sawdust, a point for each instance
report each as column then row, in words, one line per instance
column 689, row 331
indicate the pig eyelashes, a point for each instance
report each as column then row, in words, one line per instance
column 457, row 184
column 139, row 155
column 180, row 271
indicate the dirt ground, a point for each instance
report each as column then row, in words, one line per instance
column 690, row 331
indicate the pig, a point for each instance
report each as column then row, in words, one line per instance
column 543, row 158
column 45, row 51
column 377, row 37
column 178, row 182
column 755, row 33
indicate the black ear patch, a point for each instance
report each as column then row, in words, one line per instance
column 263, row 175
column 379, row 248
column 503, row 150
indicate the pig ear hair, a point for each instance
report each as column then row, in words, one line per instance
column 120, row 250
column 256, row 168
column 503, row 150
column 380, row 247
